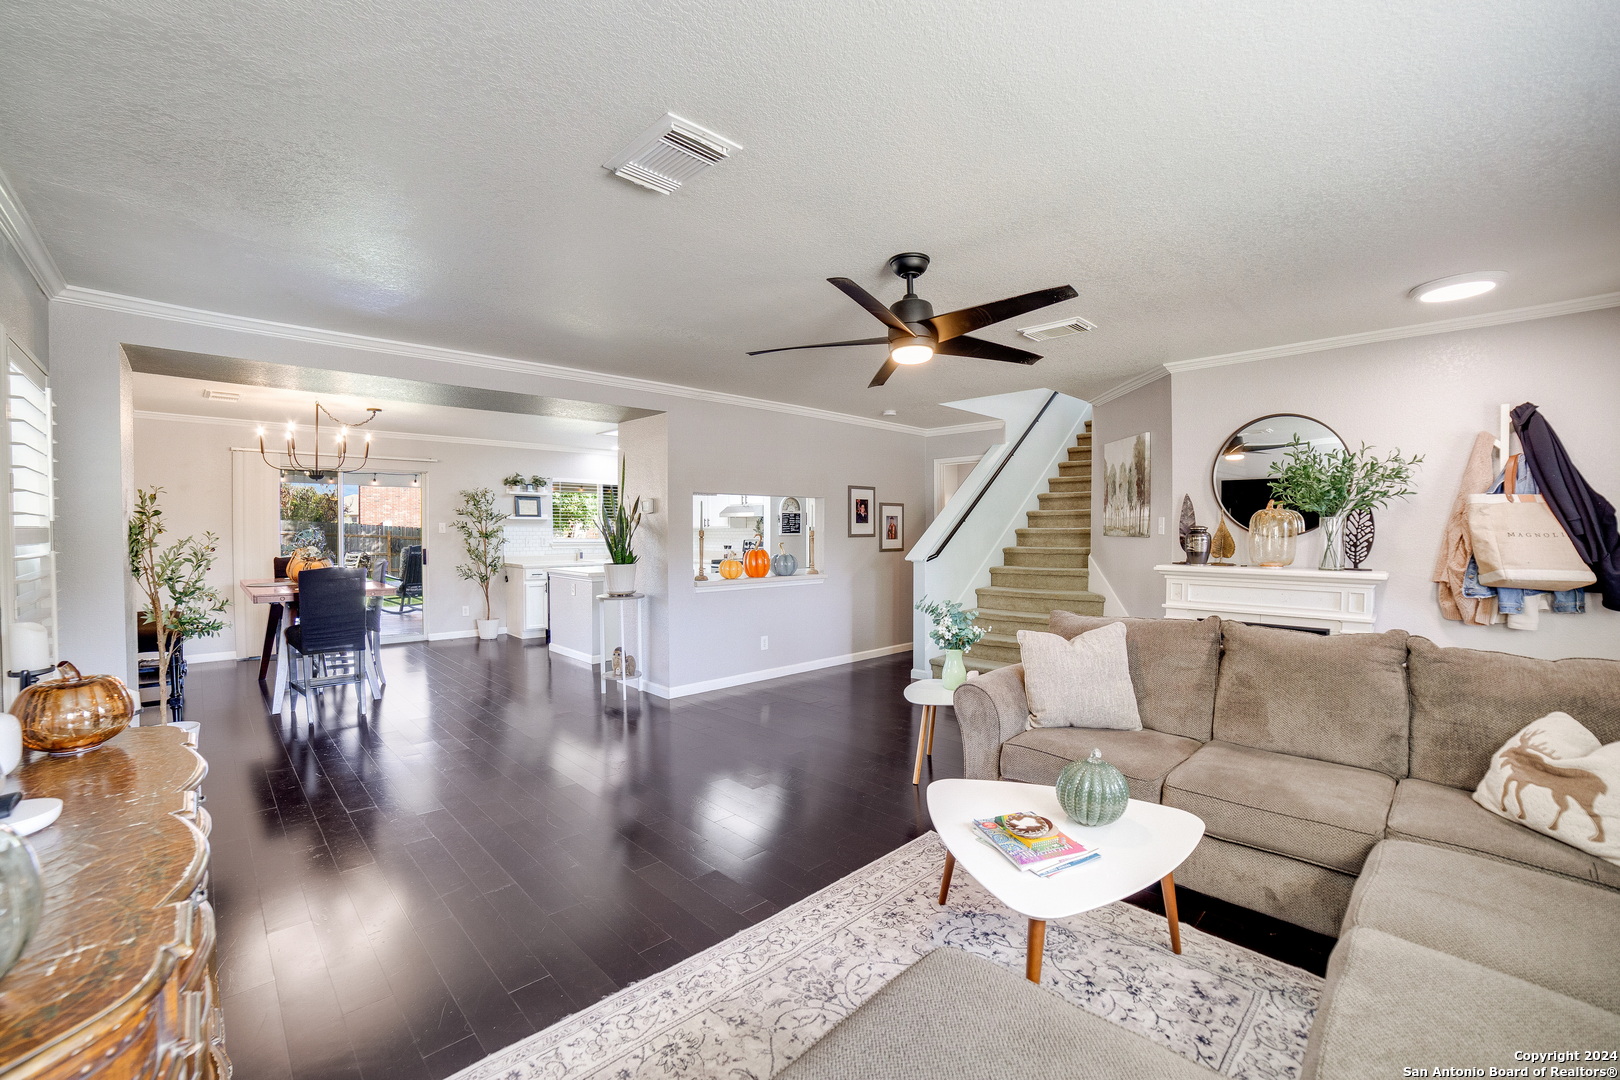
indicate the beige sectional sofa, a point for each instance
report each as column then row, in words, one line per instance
column 1333, row 775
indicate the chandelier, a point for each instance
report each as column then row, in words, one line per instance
column 313, row 467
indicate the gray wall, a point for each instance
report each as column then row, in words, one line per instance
column 1127, row 561
column 1428, row 395
column 24, row 310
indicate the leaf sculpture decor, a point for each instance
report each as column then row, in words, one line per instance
column 1222, row 546
column 1358, row 537
column 1187, row 519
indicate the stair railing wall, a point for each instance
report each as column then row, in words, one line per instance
column 986, row 512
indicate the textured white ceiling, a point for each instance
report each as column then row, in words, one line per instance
column 1210, row 177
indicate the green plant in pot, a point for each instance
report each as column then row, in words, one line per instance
column 1332, row 483
column 955, row 632
column 479, row 523
column 618, row 531
column 175, row 595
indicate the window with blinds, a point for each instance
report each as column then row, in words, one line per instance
column 576, row 507
column 30, row 588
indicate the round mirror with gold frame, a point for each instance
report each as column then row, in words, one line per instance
column 1244, row 460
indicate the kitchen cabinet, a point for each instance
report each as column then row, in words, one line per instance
column 575, row 614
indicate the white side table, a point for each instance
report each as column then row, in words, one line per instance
column 930, row 694
column 616, row 610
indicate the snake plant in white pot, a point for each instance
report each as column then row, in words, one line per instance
column 618, row 533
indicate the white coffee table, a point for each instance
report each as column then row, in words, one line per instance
column 1144, row 846
column 930, row 694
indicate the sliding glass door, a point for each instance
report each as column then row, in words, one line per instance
column 382, row 522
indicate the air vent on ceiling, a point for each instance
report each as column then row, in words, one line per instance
column 670, row 153
column 1048, row 331
column 222, row 395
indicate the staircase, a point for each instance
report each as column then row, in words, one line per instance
column 1047, row 568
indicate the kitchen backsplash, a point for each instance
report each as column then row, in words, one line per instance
column 535, row 538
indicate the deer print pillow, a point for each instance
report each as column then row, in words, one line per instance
column 1556, row 778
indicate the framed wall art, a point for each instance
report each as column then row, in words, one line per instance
column 891, row 526
column 862, row 511
column 1127, row 493
column 527, row 506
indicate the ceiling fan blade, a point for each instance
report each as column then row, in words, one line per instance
column 870, row 303
column 824, row 345
column 966, row 320
column 883, row 374
column 985, row 350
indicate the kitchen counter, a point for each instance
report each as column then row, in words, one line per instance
column 575, row 615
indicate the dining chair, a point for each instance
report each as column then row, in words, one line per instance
column 328, row 646
column 273, row 621
column 378, row 572
column 408, row 594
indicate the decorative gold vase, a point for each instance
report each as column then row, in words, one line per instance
column 70, row 715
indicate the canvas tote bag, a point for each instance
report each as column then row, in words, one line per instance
column 1519, row 544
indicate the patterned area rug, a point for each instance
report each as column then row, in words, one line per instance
column 753, row 1003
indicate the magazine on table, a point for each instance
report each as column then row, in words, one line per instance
column 1042, row 856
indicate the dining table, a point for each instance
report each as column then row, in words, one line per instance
column 280, row 593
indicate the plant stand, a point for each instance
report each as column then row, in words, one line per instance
column 614, row 634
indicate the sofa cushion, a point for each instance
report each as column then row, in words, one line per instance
column 1298, row 892
column 1339, row 698
column 1315, row 811
column 1038, row 755
column 1445, row 816
column 1174, row 663
column 1391, row 1004
column 1560, row 934
column 951, row 1016
column 1467, row 702
column 1082, row 682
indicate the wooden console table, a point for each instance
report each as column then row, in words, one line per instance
column 118, row 981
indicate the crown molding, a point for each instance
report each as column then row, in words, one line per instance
column 18, row 228
column 1442, row 326
column 156, row 309
column 409, row 436
column 963, row 429
column 1151, row 375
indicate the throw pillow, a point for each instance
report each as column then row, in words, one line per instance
column 1555, row 777
column 1085, row 682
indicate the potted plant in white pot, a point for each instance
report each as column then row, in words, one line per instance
column 479, row 524
column 618, row 533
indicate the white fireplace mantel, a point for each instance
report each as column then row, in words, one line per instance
column 1338, row 601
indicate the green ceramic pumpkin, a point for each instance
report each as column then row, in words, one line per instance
column 1092, row 792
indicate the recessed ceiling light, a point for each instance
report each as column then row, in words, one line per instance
column 891, row 412
column 1457, row 287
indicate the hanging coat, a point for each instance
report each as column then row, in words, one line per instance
column 1455, row 549
column 1586, row 516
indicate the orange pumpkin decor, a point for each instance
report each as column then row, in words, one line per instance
column 74, row 713
column 757, row 562
column 731, row 567
column 306, row 559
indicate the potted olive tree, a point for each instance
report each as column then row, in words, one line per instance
column 174, row 596
column 1333, row 483
column 479, row 523
column 618, row 533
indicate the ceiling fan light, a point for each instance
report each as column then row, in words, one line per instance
column 914, row 353
column 1457, row 287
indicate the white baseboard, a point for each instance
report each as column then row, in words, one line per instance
column 922, row 673
column 573, row 654
column 1097, row 582
column 450, row 635
column 766, row 674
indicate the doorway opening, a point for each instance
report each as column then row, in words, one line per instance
column 949, row 473
column 367, row 519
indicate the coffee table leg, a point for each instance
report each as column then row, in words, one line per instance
column 1168, row 887
column 945, row 882
column 1037, row 946
column 922, row 743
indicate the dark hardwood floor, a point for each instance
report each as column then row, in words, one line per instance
column 498, row 846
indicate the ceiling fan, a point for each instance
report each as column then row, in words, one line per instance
column 916, row 333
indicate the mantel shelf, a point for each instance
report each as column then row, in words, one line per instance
column 1335, row 601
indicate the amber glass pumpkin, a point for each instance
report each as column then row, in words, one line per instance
column 1273, row 534
column 757, row 563
column 306, row 559
column 74, row 713
column 731, row 567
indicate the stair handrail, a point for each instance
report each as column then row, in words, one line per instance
column 988, row 484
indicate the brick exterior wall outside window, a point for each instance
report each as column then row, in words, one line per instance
column 401, row 506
